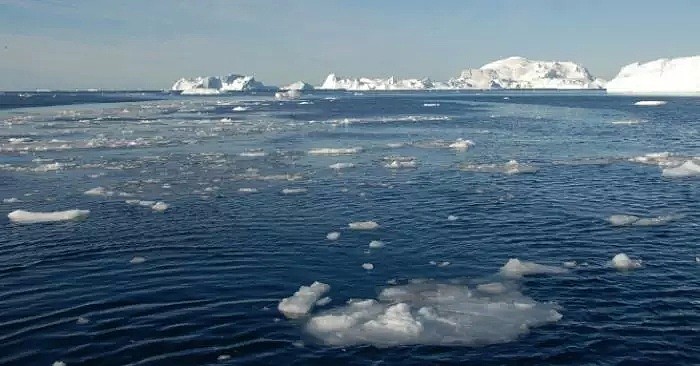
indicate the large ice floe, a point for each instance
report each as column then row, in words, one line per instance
column 631, row 220
column 688, row 169
column 508, row 73
column 205, row 85
column 28, row 217
column 663, row 76
column 429, row 312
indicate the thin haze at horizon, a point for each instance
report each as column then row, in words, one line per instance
column 149, row 44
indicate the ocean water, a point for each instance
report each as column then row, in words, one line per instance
column 251, row 197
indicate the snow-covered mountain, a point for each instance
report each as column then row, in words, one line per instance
column 299, row 85
column 215, row 84
column 509, row 73
column 334, row 82
column 521, row 73
column 662, row 76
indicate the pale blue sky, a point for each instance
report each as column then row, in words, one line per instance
column 150, row 43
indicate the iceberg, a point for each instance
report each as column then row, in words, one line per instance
column 334, row 82
column 521, row 73
column 27, row 217
column 663, row 76
column 299, row 85
column 207, row 85
column 288, row 95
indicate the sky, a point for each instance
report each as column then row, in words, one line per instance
column 149, row 44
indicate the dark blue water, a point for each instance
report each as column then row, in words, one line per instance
column 218, row 261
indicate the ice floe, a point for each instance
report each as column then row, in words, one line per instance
column 335, row 151
column 631, row 220
column 452, row 218
column 160, row 206
column 340, row 166
column 433, row 313
column 516, row 268
column 511, row 167
column 137, row 260
column 324, row 301
column 687, row 169
column 333, row 235
column 363, row 225
column 247, row 190
column 10, row 200
column 292, row 191
column 376, row 244
column 400, row 162
column 622, row 262
column 27, row 217
column 650, row 103
column 303, row 300
column 569, row 264
column 368, row 266
column 461, row 144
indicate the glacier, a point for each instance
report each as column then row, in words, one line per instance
column 663, row 76
column 508, row 73
column 205, row 85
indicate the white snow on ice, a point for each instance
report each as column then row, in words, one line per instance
column 303, row 300
column 27, row 217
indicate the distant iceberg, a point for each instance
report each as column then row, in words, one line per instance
column 508, row 73
column 521, row 73
column 207, row 85
column 662, row 76
column 299, row 85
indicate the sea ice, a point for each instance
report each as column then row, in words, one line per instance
column 452, row 218
column 239, row 109
column 291, row 191
column 10, row 200
column 58, row 363
column 687, row 169
column 137, row 260
column 334, row 235
column 433, row 313
column 363, row 225
column 461, row 144
column 324, row 301
column 27, row 217
column 247, row 190
column 569, row 264
column 339, row 166
column 516, row 268
column 160, row 206
column 223, row 357
column 368, row 266
column 623, row 262
column 303, row 300
column 335, row 151
column 376, row 244
column 98, row 191
column 650, row 103
column 631, row 220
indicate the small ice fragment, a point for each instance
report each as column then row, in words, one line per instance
column 363, row 225
column 623, row 262
column 687, row 169
column 160, row 206
column 146, row 203
column 97, row 191
column 82, row 320
column 247, row 190
column 303, row 300
column 493, row 288
column 368, row 266
column 290, row 191
column 58, row 363
column 516, row 268
column 324, row 301
column 376, row 244
column 622, row 220
column 443, row 264
column 27, row 217
column 339, row 166
column 10, row 200
column 334, row 235
column 223, row 357
column 452, row 218
column 431, row 104
column 335, row 151
column 137, row 260
column 569, row 264
column 650, row 103
column 240, row 109
column 461, row 144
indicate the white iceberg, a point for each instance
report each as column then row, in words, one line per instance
column 28, row 217
column 334, row 82
column 521, row 73
column 299, row 85
column 216, row 84
column 303, row 300
column 660, row 77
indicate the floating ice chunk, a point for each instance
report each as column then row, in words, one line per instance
column 452, row 218
column 98, row 191
column 335, row 151
column 687, row 169
column 443, row 264
column 253, row 153
column 290, row 191
column 240, row 109
column 363, row 225
column 395, row 145
column 623, row 262
column 631, row 220
column 461, row 144
column 223, row 357
column 334, row 235
column 368, row 266
column 569, row 264
column 324, row 301
column 513, row 167
column 82, row 320
column 137, row 260
column 650, row 103
column 509, row 168
column 659, row 158
column 516, row 268
column 247, row 190
column 376, row 244
column 160, row 206
column 27, row 217
column 303, row 300
column 10, row 200
column 339, row 166
column 627, row 122
column 399, row 162
column 58, row 363
column 288, row 95
column 433, row 314
column 431, row 104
